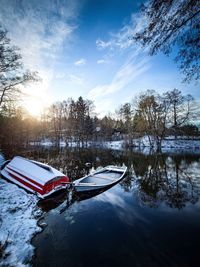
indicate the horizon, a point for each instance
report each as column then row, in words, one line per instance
column 83, row 48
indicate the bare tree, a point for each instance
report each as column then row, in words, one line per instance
column 12, row 73
column 173, row 23
column 151, row 116
column 56, row 114
column 180, row 109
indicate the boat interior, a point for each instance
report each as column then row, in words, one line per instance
column 102, row 177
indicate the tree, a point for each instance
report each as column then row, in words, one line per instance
column 11, row 124
column 12, row 73
column 125, row 112
column 180, row 109
column 173, row 24
column 189, row 130
column 151, row 115
column 107, row 125
column 56, row 117
column 80, row 123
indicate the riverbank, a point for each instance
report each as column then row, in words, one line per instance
column 19, row 215
column 168, row 144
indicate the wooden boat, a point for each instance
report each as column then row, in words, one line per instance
column 100, row 179
column 34, row 176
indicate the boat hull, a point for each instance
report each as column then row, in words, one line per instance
column 27, row 178
column 80, row 186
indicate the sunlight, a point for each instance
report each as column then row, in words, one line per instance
column 36, row 99
column 34, row 106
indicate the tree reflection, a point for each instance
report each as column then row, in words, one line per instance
column 167, row 179
column 170, row 179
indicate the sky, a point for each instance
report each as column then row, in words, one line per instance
column 83, row 48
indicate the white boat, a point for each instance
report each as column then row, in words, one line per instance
column 106, row 177
column 34, row 176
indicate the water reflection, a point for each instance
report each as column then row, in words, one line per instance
column 68, row 198
column 172, row 179
column 151, row 218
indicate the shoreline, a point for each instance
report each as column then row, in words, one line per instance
column 140, row 144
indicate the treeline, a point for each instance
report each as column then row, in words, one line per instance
column 150, row 114
column 159, row 115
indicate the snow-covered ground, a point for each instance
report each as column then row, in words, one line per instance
column 168, row 144
column 19, row 215
column 49, row 143
column 115, row 145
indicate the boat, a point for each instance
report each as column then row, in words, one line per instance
column 35, row 177
column 103, row 178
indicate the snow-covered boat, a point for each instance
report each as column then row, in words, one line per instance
column 100, row 179
column 35, row 177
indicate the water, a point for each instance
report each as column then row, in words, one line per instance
column 151, row 218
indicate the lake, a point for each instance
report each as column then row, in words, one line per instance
column 151, row 218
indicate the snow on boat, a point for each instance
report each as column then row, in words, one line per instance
column 34, row 176
column 103, row 178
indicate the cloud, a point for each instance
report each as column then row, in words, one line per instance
column 80, row 62
column 123, row 38
column 69, row 77
column 102, row 44
column 102, row 106
column 41, row 29
column 134, row 61
column 38, row 28
column 75, row 79
column 102, row 61
column 135, row 65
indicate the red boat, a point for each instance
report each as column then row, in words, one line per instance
column 34, row 176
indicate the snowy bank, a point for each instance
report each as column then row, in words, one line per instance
column 106, row 144
column 168, row 144
column 18, row 224
column 49, row 143
column 115, row 145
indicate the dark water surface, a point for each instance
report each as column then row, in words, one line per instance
column 151, row 218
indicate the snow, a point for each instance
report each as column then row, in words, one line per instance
column 48, row 143
column 19, row 215
column 115, row 145
column 31, row 170
column 169, row 144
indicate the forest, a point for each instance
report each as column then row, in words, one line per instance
column 150, row 114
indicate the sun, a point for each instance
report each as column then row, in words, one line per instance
column 34, row 106
column 35, row 100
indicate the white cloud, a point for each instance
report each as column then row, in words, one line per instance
column 80, row 62
column 136, row 61
column 40, row 29
column 60, row 75
column 135, row 65
column 70, row 77
column 75, row 79
column 102, row 44
column 102, row 61
column 103, row 105
column 123, row 38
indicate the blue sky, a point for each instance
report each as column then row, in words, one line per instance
column 83, row 48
